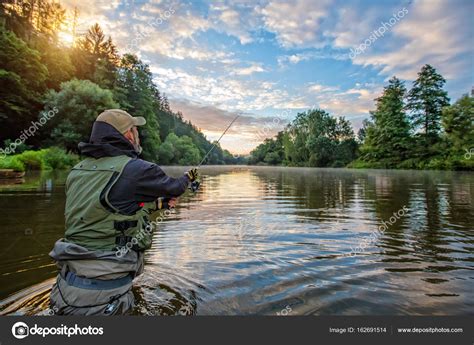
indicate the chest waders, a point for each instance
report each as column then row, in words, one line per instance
column 94, row 223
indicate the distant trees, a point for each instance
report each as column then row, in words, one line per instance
column 415, row 129
column 314, row 139
column 179, row 150
column 418, row 129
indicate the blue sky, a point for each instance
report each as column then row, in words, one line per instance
column 269, row 60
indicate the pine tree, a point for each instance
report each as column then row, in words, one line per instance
column 426, row 100
column 388, row 138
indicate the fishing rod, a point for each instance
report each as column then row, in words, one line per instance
column 195, row 184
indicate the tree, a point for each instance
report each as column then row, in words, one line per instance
column 96, row 58
column 388, row 139
column 135, row 92
column 78, row 103
column 178, row 150
column 314, row 138
column 426, row 100
column 22, row 82
column 458, row 124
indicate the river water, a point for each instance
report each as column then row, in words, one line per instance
column 273, row 241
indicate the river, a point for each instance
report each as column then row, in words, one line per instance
column 273, row 241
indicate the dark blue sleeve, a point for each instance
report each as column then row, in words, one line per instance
column 142, row 181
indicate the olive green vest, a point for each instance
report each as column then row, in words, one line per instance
column 91, row 220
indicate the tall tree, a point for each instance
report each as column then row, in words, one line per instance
column 22, row 82
column 426, row 100
column 388, row 138
column 136, row 93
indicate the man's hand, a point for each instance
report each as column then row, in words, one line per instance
column 192, row 174
column 172, row 202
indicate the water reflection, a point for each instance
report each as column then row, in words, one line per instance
column 259, row 240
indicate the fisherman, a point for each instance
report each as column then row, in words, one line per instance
column 109, row 197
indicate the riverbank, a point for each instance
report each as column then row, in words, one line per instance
column 45, row 159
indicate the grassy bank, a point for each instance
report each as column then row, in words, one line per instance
column 459, row 162
column 45, row 159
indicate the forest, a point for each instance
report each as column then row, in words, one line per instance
column 51, row 93
column 40, row 75
column 408, row 129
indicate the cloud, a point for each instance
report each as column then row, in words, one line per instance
column 237, row 20
column 222, row 91
column 294, row 59
column 433, row 31
column 321, row 88
column 296, row 23
column 245, row 134
column 252, row 68
column 352, row 102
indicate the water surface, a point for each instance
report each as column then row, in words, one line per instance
column 267, row 240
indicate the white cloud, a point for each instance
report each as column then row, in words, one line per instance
column 321, row 88
column 433, row 31
column 252, row 68
column 237, row 20
column 296, row 23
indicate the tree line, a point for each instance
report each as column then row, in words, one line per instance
column 415, row 129
column 39, row 73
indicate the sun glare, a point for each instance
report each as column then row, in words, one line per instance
column 66, row 38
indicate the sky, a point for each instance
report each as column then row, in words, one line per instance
column 268, row 60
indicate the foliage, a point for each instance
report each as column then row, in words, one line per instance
column 22, row 81
column 32, row 160
column 387, row 136
column 12, row 162
column 57, row 158
column 179, row 150
column 78, row 103
column 314, row 138
column 51, row 158
column 426, row 100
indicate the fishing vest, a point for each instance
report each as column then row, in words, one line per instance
column 91, row 220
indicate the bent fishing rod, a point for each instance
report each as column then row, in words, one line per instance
column 195, row 184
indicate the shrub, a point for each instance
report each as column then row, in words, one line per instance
column 12, row 162
column 57, row 158
column 32, row 160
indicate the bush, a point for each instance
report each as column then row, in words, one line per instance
column 12, row 162
column 56, row 158
column 32, row 160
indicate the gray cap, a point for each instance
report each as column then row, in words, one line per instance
column 120, row 119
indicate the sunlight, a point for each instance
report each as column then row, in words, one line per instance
column 66, row 38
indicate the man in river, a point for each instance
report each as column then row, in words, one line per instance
column 109, row 197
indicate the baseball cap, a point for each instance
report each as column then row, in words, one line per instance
column 120, row 119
